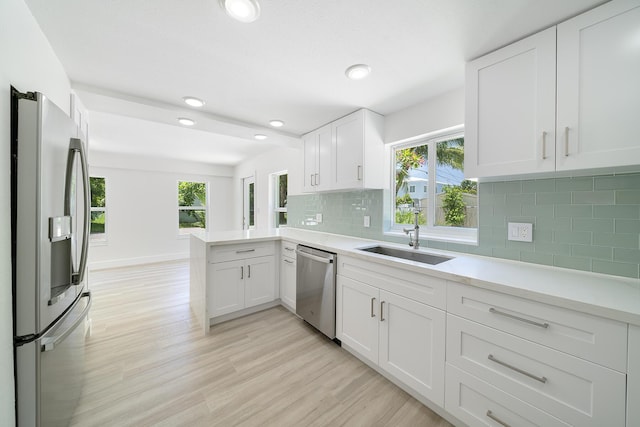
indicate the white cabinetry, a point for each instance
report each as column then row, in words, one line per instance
column 633, row 377
column 403, row 336
column 513, row 97
column 240, row 277
column 288, row 275
column 565, row 364
column 345, row 154
column 599, row 88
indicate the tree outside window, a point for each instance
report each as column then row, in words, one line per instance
column 97, row 228
column 280, row 198
column 434, row 166
column 192, row 206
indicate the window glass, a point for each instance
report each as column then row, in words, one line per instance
column 429, row 183
column 280, row 199
column 97, row 228
column 192, row 206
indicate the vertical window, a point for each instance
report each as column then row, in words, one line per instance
column 280, row 199
column 192, row 206
column 248, row 203
column 97, row 228
column 448, row 200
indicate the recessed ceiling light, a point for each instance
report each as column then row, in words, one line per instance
column 185, row 121
column 193, row 101
column 276, row 123
column 260, row 136
column 358, row 71
column 241, row 10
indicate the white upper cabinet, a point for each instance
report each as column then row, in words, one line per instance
column 527, row 113
column 510, row 109
column 345, row 154
column 599, row 88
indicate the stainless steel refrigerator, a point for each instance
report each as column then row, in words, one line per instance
column 50, row 209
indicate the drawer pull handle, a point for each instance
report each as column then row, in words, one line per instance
column 286, row 248
column 518, row 370
column 288, row 261
column 496, row 419
column 244, row 251
column 522, row 319
column 381, row 311
column 372, row 313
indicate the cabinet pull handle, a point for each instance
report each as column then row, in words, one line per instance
column 313, row 176
column 244, row 251
column 359, row 172
column 241, row 272
column 566, row 141
column 288, row 261
column 521, row 319
column 249, row 271
column 317, row 179
column 381, row 311
column 286, row 248
column 544, row 145
column 372, row 313
column 496, row 419
column 518, row 370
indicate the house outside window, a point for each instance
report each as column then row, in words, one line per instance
column 280, row 199
column 192, row 206
column 98, row 225
column 447, row 204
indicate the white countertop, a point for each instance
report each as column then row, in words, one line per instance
column 613, row 297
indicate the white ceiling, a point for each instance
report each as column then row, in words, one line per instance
column 131, row 62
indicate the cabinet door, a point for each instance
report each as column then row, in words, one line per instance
column 348, row 150
column 412, row 344
column 359, row 317
column 288, row 282
column 226, row 287
column 259, row 281
column 310, row 161
column 599, row 88
column 323, row 178
column 633, row 377
column 510, row 109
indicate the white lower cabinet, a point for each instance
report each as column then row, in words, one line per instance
column 227, row 288
column 259, row 281
column 288, row 275
column 633, row 378
column 403, row 337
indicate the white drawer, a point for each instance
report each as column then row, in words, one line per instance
column 589, row 337
column 223, row 253
column 417, row 286
column 478, row 403
column 574, row 390
column 288, row 249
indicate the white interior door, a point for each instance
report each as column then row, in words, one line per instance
column 248, row 204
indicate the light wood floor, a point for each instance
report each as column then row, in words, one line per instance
column 149, row 364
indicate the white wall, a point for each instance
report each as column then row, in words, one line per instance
column 29, row 64
column 261, row 167
column 141, row 201
column 440, row 112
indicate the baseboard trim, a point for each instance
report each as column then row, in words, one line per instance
column 127, row 262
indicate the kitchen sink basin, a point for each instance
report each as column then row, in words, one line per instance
column 411, row 255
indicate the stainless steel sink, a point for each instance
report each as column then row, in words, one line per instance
column 411, row 255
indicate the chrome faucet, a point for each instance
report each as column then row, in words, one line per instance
column 414, row 233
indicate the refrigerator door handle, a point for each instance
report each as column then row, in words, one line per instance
column 49, row 344
column 76, row 146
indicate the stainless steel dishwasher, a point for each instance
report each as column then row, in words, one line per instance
column 316, row 288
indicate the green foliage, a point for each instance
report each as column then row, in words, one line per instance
column 453, row 206
column 469, row 187
column 97, row 187
column 407, row 217
column 190, row 192
column 406, row 159
column 404, row 200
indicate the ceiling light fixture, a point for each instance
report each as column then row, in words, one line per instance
column 276, row 123
column 241, row 10
column 185, row 121
column 358, row 71
column 193, row 101
column 260, row 136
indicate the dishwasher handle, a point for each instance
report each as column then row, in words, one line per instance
column 315, row 257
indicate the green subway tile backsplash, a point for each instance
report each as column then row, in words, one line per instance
column 583, row 223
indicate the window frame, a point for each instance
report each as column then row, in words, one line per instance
column 99, row 238
column 429, row 231
column 186, row 232
column 276, row 210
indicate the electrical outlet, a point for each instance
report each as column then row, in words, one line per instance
column 520, row 232
column 367, row 221
column 318, row 218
